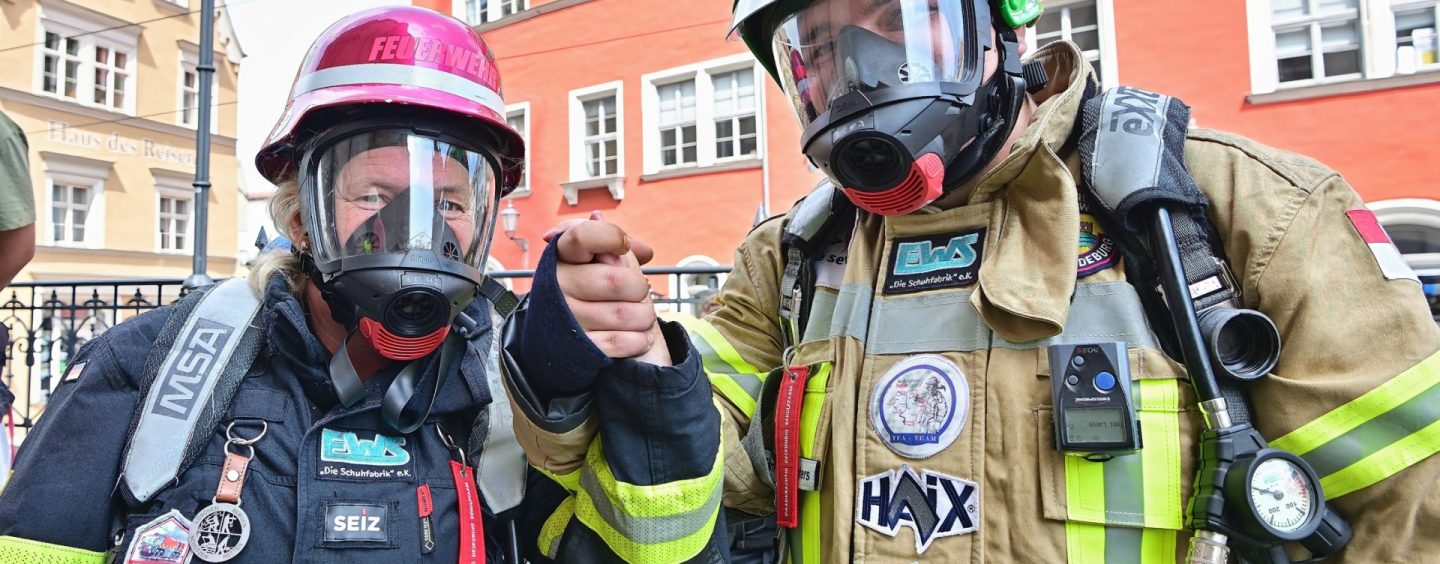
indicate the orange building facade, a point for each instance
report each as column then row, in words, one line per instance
column 642, row 109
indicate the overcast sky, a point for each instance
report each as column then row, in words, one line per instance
column 275, row 35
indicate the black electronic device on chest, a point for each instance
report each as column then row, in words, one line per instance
column 1094, row 406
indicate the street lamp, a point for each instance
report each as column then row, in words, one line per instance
column 509, row 218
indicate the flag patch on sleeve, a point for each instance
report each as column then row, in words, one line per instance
column 1386, row 254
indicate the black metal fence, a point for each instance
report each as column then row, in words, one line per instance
column 48, row 322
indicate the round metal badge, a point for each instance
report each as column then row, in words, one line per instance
column 920, row 405
column 220, row 533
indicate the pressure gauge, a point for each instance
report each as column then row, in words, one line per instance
column 1281, row 494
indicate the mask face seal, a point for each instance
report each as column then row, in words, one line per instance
column 401, row 219
column 892, row 95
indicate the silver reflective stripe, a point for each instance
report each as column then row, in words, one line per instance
column 184, row 384
column 403, row 75
column 943, row 321
column 822, row 310
column 1129, row 147
column 654, row 530
column 852, row 311
column 946, row 321
column 501, row 468
column 1103, row 311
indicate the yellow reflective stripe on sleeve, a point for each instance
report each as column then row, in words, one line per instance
column 569, row 481
column 16, row 549
column 668, row 522
column 1376, row 435
column 554, row 528
column 729, row 373
column 1384, row 463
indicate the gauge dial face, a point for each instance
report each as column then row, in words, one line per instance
column 1281, row 494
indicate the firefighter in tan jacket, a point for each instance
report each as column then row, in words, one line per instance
column 910, row 383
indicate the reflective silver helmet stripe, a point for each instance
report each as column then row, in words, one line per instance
column 401, row 75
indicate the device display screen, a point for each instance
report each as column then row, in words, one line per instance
column 1094, row 425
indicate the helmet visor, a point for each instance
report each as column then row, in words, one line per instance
column 394, row 191
column 834, row 47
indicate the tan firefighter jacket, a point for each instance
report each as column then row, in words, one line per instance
column 931, row 371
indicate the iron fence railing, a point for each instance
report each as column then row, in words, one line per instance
column 49, row 321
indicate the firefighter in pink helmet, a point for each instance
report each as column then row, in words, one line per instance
column 343, row 404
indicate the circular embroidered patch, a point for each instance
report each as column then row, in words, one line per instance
column 920, row 405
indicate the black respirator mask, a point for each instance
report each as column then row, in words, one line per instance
column 893, row 99
column 399, row 218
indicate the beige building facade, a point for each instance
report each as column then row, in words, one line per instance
column 107, row 94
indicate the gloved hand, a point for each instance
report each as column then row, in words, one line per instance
column 589, row 304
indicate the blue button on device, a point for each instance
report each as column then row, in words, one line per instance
column 1104, row 381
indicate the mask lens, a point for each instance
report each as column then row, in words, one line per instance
column 392, row 191
column 834, row 47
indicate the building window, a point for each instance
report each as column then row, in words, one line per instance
column 111, row 74
column 1416, row 36
column 691, row 289
column 87, row 57
column 69, row 213
column 597, row 141
column 518, row 116
column 75, row 187
column 1297, row 43
column 477, row 12
column 189, row 96
column 1414, row 225
column 175, row 214
column 701, row 115
column 61, row 75
column 508, row 7
column 1316, row 39
column 677, row 123
column 735, row 133
column 602, row 154
column 1089, row 25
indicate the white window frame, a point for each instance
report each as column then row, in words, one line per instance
column 189, row 61
column 76, row 171
column 1105, row 22
column 1407, row 6
column 176, row 186
column 580, row 178
column 493, row 11
column 679, row 291
column 1412, row 211
column 70, row 20
column 111, row 70
column 702, row 73
column 1377, row 45
column 522, row 109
